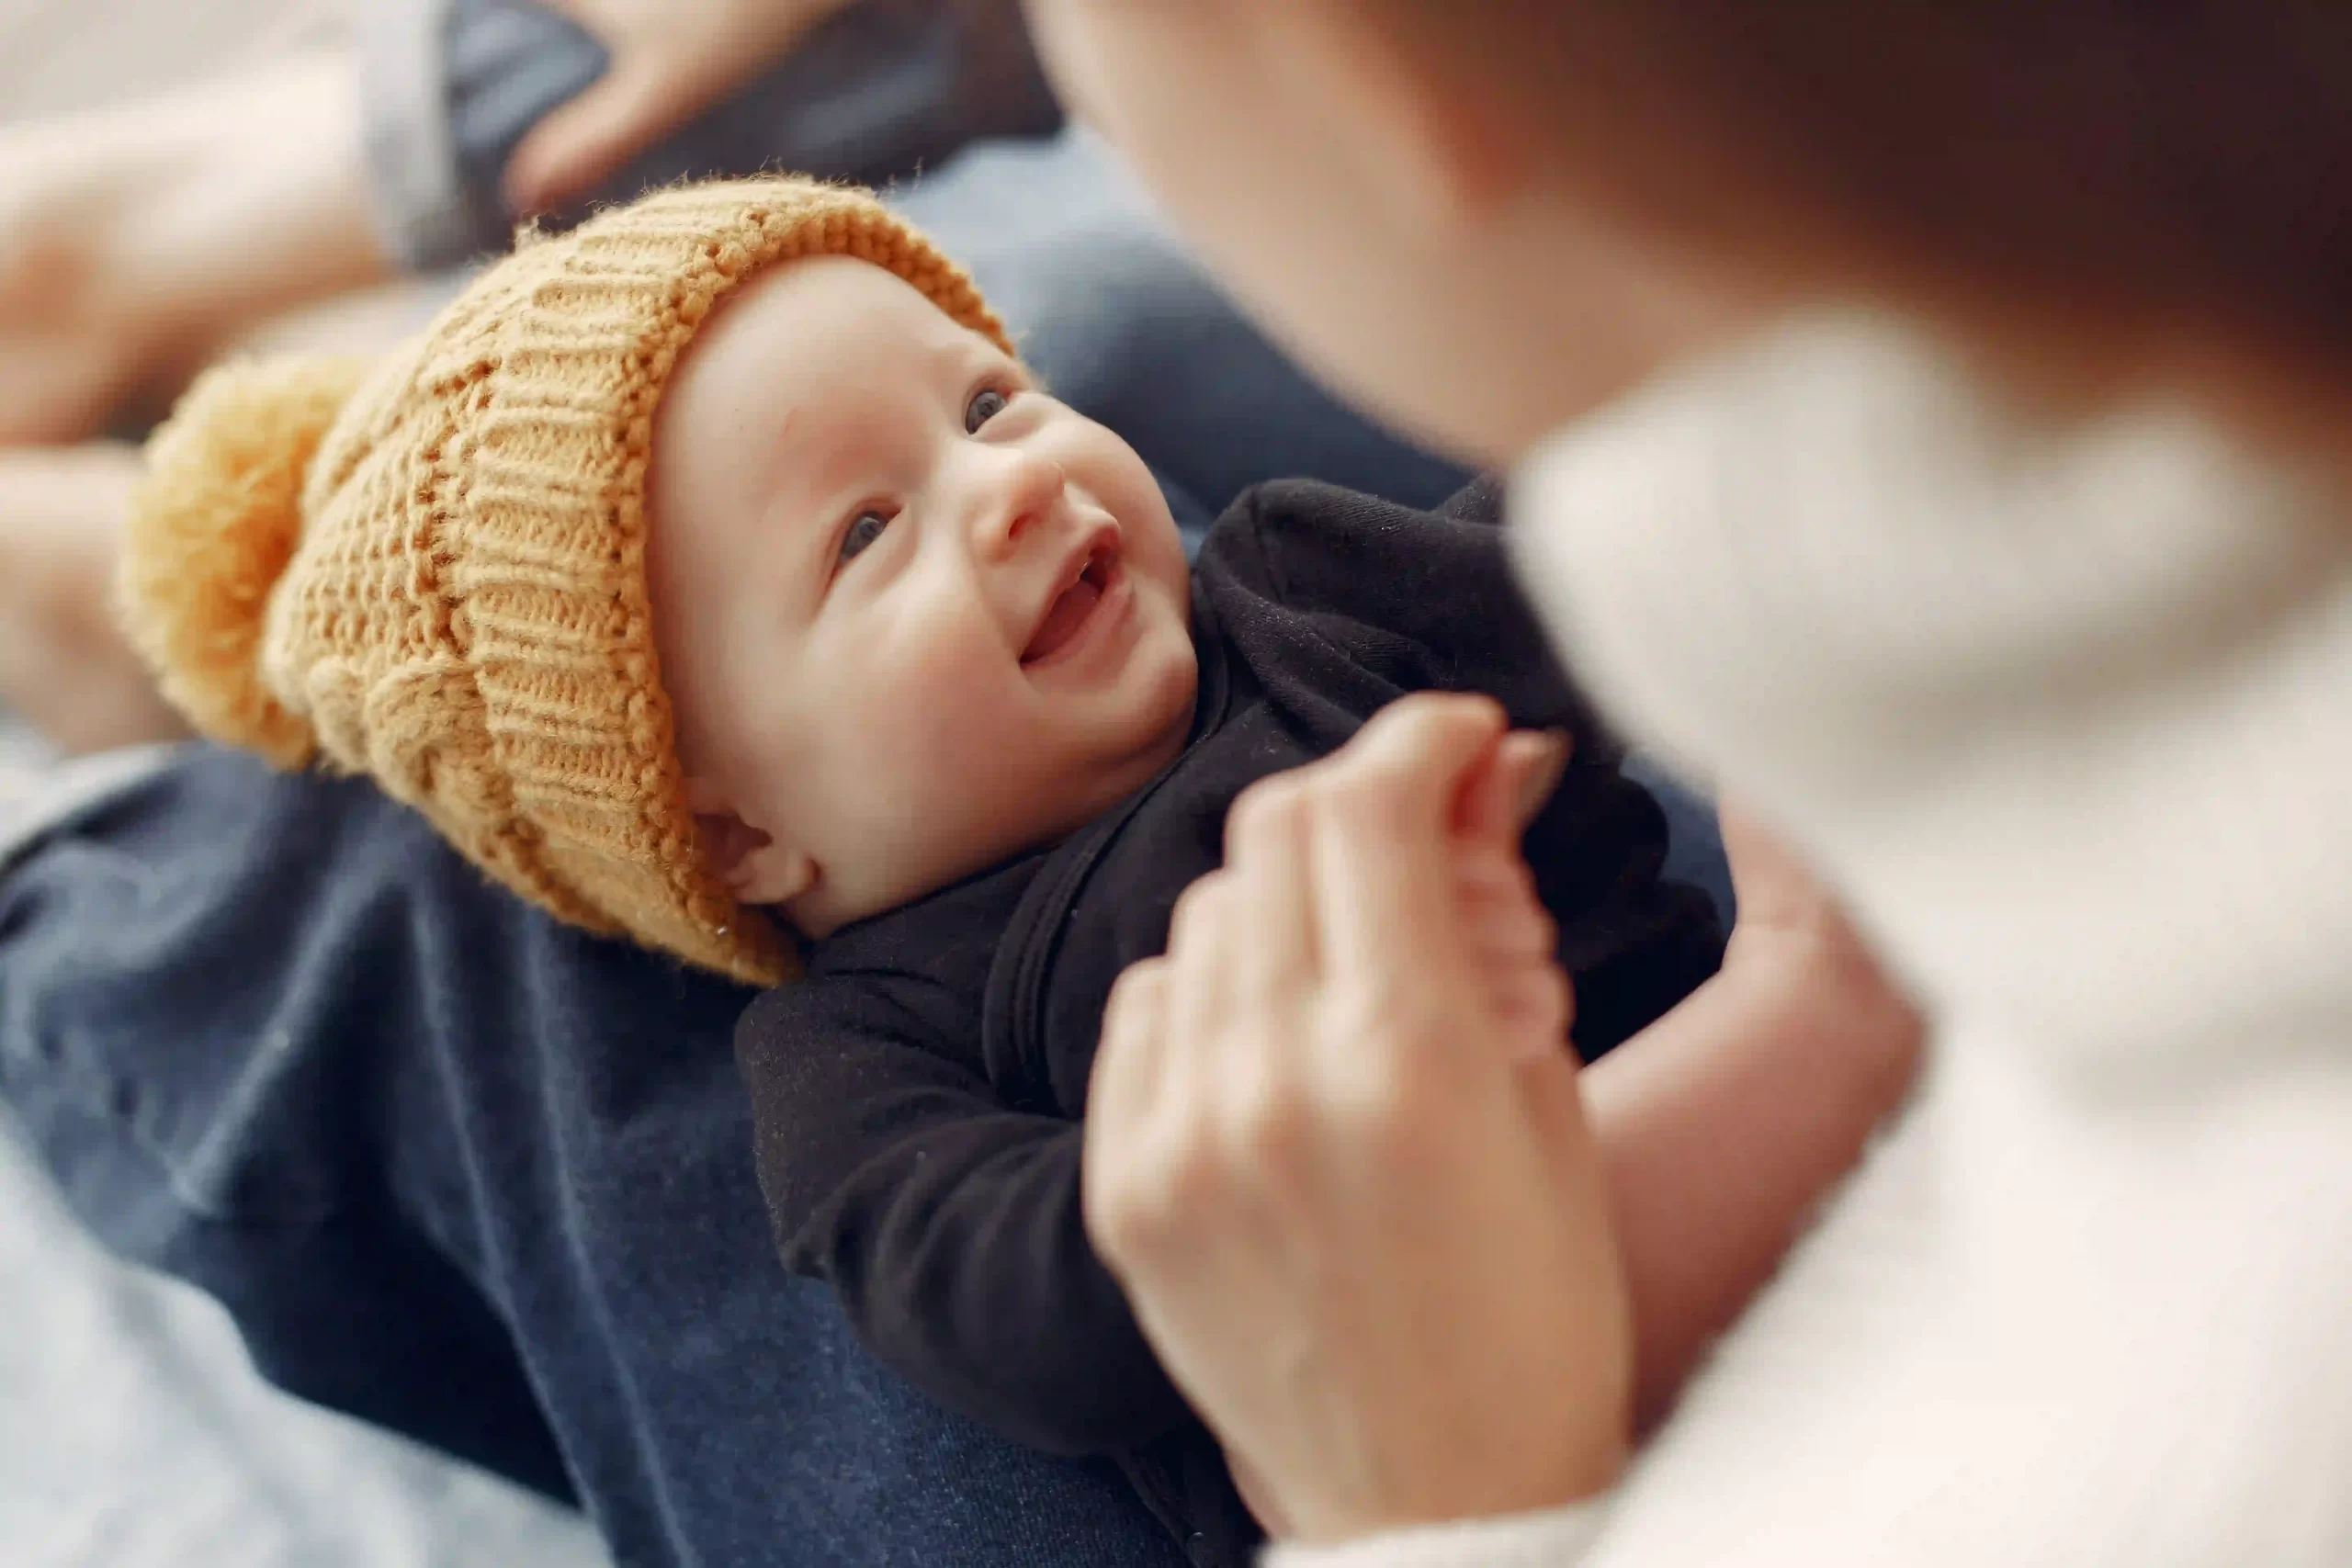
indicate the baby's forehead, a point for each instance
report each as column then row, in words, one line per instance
column 799, row 382
column 822, row 301
column 802, row 336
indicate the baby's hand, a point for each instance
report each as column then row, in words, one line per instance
column 1511, row 937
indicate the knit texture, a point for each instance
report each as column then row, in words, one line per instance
column 432, row 572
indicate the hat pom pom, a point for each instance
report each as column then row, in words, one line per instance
column 215, row 521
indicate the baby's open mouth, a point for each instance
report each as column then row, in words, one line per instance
column 1074, row 607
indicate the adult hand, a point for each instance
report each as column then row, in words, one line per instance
column 1359, row 1215
column 670, row 59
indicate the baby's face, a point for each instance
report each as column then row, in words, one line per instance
column 914, row 615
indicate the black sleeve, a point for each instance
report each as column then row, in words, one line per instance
column 949, row 1225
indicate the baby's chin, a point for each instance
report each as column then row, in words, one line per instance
column 1172, row 694
column 1043, row 818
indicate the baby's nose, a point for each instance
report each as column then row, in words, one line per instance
column 1024, row 488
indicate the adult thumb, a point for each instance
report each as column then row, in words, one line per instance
column 580, row 144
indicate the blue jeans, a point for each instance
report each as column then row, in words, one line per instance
column 487, row 1181
column 474, row 1177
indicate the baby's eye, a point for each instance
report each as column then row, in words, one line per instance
column 862, row 531
column 986, row 404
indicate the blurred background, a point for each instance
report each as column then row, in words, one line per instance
column 58, row 55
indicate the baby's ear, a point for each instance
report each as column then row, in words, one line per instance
column 757, row 867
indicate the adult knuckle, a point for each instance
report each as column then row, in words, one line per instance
column 1123, row 1229
column 1419, row 707
column 1371, row 799
column 1267, row 808
column 1133, row 1212
column 1469, row 716
column 1387, row 1120
column 1270, row 1128
column 1197, row 906
column 1379, row 1009
column 1410, row 1053
column 1548, row 997
column 1304, row 788
column 1135, row 994
column 1447, row 716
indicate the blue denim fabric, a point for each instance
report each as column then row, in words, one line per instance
column 476, row 1176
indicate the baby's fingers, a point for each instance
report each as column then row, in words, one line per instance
column 1382, row 809
column 1501, row 914
column 1502, row 797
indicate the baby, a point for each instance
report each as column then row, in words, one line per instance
column 716, row 575
column 948, row 697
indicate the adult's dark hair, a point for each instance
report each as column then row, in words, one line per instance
column 2108, row 180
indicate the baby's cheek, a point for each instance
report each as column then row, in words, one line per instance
column 971, row 781
column 954, row 708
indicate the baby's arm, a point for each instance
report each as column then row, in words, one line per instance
column 1723, row 1123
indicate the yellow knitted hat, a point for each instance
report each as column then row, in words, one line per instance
column 431, row 569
